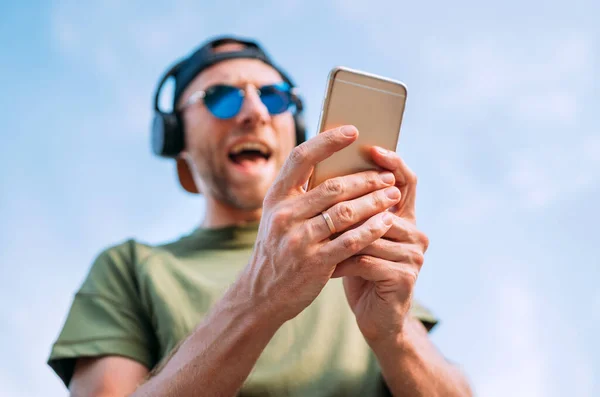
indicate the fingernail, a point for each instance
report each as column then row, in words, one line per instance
column 382, row 150
column 387, row 178
column 348, row 131
column 392, row 193
column 388, row 218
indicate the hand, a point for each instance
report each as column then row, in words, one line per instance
column 379, row 280
column 294, row 254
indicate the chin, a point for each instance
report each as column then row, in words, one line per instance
column 249, row 198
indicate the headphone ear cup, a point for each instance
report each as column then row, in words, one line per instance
column 167, row 135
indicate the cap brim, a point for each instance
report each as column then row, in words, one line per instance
column 185, row 176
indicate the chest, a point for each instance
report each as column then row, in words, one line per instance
column 179, row 291
column 320, row 352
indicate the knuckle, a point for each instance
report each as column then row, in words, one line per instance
column 328, row 138
column 331, row 137
column 310, row 230
column 372, row 181
column 374, row 229
column 378, row 199
column 345, row 213
column 377, row 245
column 364, row 260
column 418, row 259
column 350, row 242
column 422, row 240
column 274, row 193
column 333, row 187
column 407, row 279
column 299, row 154
column 281, row 217
column 411, row 178
column 294, row 241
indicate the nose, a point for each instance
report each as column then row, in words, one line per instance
column 253, row 111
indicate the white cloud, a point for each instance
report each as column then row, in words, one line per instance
column 25, row 318
column 540, row 81
column 34, row 315
column 552, row 172
column 578, row 368
column 517, row 337
column 553, row 107
column 132, row 32
column 125, row 28
column 517, row 365
column 522, row 90
column 467, row 202
column 533, row 350
column 535, row 179
column 10, row 386
column 128, row 45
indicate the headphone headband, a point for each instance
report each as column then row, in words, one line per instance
column 170, row 73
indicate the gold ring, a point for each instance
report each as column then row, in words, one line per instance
column 329, row 222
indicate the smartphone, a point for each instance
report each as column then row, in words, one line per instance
column 374, row 105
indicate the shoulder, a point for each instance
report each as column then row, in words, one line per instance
column 121, row 262
column 132, row 250
column 108, row 315
column 118, row 260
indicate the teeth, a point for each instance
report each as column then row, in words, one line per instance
column 250, row 146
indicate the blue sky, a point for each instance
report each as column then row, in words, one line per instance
column 501, row 127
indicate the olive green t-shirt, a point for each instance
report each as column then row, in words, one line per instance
column 140, row 301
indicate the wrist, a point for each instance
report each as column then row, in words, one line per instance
column 387, row 332
column 393, row 340
column 257, row 308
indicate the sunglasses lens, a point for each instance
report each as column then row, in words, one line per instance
column 277, row 97
column 223, row 101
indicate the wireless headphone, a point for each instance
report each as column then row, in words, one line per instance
column 167, row 127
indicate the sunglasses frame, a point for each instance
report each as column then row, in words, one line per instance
column 199, row 96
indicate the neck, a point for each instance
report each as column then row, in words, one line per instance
column 219, row 214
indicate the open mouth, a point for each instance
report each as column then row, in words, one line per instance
column 250, row 153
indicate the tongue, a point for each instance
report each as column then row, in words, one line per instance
column 249, row 159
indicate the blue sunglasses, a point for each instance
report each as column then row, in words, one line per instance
column 225, row 101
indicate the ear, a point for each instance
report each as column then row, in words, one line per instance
column 186, row 171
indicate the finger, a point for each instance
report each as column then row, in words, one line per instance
column 339, row 189
column 298, row 166
column 405, row 231
column 386, row 273
column 353, row 241
column 406, row 180
column 347, row 213
column 406, row 253
column 401, row 231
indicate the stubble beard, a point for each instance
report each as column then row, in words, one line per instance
column 217, row 181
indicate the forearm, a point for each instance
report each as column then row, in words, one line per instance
column 218, row 356
column 412, row 366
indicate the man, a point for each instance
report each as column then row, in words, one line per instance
column 280, row 291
